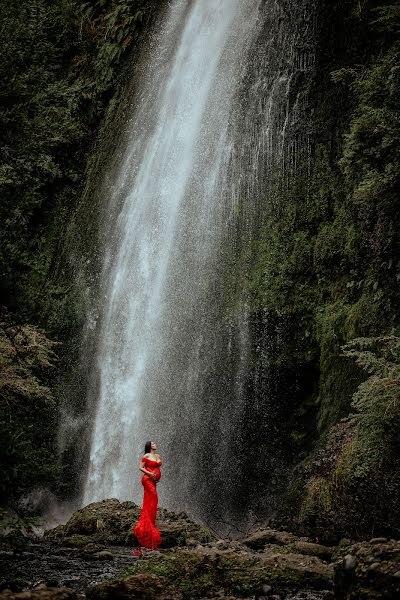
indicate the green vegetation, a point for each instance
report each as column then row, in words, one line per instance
column 195, row 575
column 28, row 410
column 324, row 267
column 61, row 65
column 352, row 485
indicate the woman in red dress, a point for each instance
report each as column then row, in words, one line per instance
column 146, row 531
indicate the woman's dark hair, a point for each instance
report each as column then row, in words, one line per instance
column 147, row 447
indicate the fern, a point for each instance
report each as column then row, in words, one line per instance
column 376, row 403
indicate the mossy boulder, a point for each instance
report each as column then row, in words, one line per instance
column 144, row 586
column 77, row 541
column 177, row 529
column 311, row 549
column 105, row 522
column 207, row 571
column 110, row 522
column 260, row 538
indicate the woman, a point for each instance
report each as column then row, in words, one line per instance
column 146, row 531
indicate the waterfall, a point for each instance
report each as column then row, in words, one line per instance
column 167, row 195
column 211, row 139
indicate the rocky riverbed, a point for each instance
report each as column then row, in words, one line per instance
column 91, row 556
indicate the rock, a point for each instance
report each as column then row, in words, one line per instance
column 77, row 541
column 361, row 579
column 104, row 555
column 15, row 585
column 349, row 563
column 41, row 593
column 206, row 572
column 305, row 570
column 110, row 522
column 143, row 586
column 260, row 538
column 15, row 531
column 378, row 540
column 177, row 533
column 92, row 548
column 324, row 552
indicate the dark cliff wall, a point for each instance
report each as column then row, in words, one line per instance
column 326, row 271
column 64, row 67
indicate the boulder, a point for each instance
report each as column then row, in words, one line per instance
column 260, row 538
column 212, row 572
column 110, row 522
column 143, row 586
column 42, row 592
column 311, row 549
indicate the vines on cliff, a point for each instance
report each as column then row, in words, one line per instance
column 28, row 409
column 352, row 233
column 60, row 65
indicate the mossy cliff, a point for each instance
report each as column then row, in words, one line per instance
column 325, row 270
column 322, row 268
column 63, row 66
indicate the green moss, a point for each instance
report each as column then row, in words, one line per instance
column 196, row 575
column 61, row 67
column 318, row 497
column 27, row 451
column 77, row 541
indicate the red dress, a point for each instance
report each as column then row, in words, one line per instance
column 146, row 531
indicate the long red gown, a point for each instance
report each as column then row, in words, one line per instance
column 146, row 531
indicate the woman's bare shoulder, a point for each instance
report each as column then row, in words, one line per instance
column 158, row 457
column 146, row 455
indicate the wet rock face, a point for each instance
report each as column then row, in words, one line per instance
column 369, row 570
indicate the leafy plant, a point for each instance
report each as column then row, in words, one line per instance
column 376, row 403
column 28, row 410
column 118, row 23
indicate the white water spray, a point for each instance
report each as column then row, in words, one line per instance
column 169, row 196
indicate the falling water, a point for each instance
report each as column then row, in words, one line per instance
column 166, row 192
column 213, row 136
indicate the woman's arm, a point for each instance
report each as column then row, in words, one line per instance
column 141, row 468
